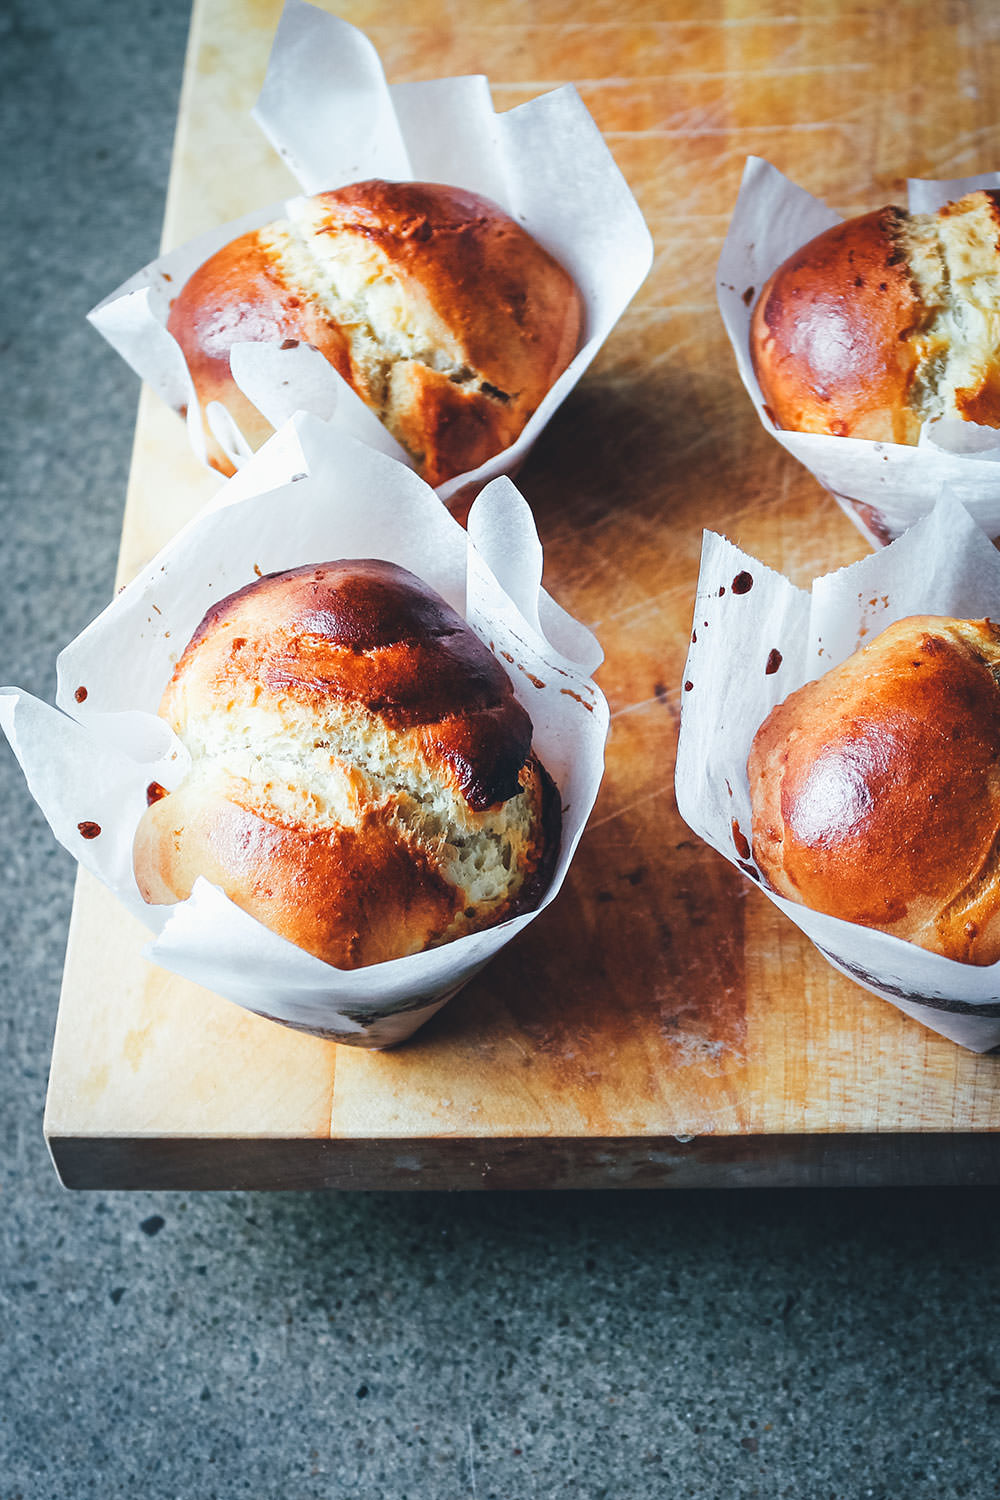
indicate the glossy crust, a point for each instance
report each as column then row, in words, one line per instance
column 829, row 335
column 495, row 318
column 883, row 322
column 358, row 756
column 876, row 789
column 238, row 297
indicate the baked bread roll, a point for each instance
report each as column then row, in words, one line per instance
column 885, row 322
column 876, row 789
column 445, row 316
column 362, row 780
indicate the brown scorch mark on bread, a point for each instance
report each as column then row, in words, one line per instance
column 371, row 634
column 362, row 778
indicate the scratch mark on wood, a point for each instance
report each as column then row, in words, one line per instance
column 721, row 75
column 635, row 707
column 627, row 808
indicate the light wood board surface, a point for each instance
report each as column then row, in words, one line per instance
column 662, row 1023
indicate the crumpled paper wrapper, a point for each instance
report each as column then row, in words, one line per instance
column 751, row 649
column 311, row 494
column 329, row 112
column 882, row 487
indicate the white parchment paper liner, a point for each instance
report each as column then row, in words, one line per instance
column 944, row 565
column 900, row 483
column 311, row 494
column 328, row 110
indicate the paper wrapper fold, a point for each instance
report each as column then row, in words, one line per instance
column 310, row 495
column 327, row 109
column 754, row 648
column 883, row 487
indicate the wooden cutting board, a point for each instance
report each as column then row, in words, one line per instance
column 661, row 1024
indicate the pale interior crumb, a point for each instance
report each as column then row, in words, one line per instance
column 275, row 761
column 353, row 281
column 954, row 264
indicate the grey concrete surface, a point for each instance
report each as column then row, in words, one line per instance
column 825, row 1346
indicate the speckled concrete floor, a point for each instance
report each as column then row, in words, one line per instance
column 438, row 1348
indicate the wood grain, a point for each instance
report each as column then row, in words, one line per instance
column 662, row 997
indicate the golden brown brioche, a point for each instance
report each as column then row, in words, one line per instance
column 876, row 789
column 885, row 322
column 444, row 315
column 362, row 780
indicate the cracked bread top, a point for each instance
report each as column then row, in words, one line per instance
column 884, row 322
column 449, row 320
column 362, row 778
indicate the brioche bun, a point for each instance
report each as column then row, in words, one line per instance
column 446, row 317
column 876, row 789
column 884, row 322
column 362, row 780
